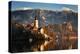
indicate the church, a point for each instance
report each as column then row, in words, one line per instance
column 36, row 27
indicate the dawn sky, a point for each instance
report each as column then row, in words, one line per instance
column 49, row 6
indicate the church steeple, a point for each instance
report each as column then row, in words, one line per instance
column 35, row 23
column 35, row 17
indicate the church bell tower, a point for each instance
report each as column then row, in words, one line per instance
column 35, row 23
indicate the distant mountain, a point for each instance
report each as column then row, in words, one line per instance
column 51, row 17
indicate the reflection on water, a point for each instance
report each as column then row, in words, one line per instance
column 57, row 44
column 42, row 46
column 33, row 44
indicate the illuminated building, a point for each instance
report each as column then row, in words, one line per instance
column 35, row 25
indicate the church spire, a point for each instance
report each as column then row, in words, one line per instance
column 35, row 23
column 36, row 18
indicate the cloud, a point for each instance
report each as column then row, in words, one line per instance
column 67, row 9
column 24, row 8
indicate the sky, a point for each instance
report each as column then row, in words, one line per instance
column 15, row 5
